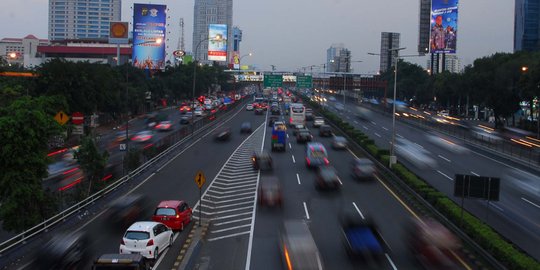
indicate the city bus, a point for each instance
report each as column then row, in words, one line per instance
column 297, row 114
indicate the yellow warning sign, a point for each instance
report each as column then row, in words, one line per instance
column 200, row 179
column 61, row 117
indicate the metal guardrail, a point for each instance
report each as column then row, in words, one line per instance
column 399, row 185
column 76, row 208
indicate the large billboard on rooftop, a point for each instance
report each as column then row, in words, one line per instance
column 149, row 23
column 444, row 17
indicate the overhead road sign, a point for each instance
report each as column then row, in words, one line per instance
column 304, row 81
column 273, row 80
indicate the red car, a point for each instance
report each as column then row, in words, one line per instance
column 184, row 109
column 174, row 214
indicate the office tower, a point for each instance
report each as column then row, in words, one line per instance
column 237, row 38
column 75, row 19
column 331, row 54
column 452, row 63
column 527, row 25
column 388, row 41
column 208, row 12
column 424, row 24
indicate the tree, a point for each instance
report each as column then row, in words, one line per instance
column 92, row 162
column 25, row 127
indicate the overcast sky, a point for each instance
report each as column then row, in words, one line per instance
column 291, row 34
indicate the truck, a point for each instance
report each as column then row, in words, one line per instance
column 362, row 239
column 279, row 136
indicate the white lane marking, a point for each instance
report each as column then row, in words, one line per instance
column 229, row 216
column 419, row 145
column 377, row 134
column 390, row 261
column 230, row 228
column 293, row 160
column 287, row 136
column 356, row 122
column 233, row 195
column 496, row 206
column 450, row 178
column 298, row 178
column 234, row 187
column 229, row 205
column 385, row 128
column 339, row 180
column 444, row 158
column 358, row 210
column 305, row 209
column 374, row 123
column 229, row 236
column 230, row 191
column 232, row 221
column 290, row 147
column 399, row 135
column 537, row 206
column 366, row 128
column 475, row 173
column 231, row 200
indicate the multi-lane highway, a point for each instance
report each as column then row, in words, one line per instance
column 516, row 216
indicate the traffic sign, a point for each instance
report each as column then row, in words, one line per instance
column 304, row 82
column 200, row 179
column 123, row 147
column 77, row 118
column 78, row 130
column 179, row 53
column 61, row 117
column 273, row 80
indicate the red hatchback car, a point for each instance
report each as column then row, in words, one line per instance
column 174, row 214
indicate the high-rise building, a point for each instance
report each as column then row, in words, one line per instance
column 424, row 24
column 237, row 38
column 75, row 19
column 388, row 41
column 527, row 25
column 208, row 12
column 342, row 62
column 452, row 63
column 331, row 54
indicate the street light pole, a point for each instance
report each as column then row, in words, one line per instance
column 194, row 80
column 393, row 158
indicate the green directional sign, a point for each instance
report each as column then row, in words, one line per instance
column 304, row 82
column 273, row 80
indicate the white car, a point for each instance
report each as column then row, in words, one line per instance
column 249, row 107
column 147, row 238
column 198, row 112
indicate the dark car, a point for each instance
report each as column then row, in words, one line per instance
column 270, row 191
column 222, row 134
column 363, row 168
column 126, row 210
column 309, row 115
column 259, row 111
column 262, row 161
column 303, row 135
column 245, row 127
column 316, row 155
column 325, row 131
column 272, row 120
column 186, row 118
column 121, row 262
column 274, row 110
column 63, row 251
column 327, row 178
column 298, row 127
column 363, row 241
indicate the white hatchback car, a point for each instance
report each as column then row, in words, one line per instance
column 147, row 238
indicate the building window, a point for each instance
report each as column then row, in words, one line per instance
column 59, row 12
column 81, row 13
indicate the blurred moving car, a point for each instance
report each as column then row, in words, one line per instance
column 486, row 135
column 523, row 182
column 298, row 127
column 270, row 191
column 327, row 178
column 363, row 113
column 127, row 209
column 262, row 161
column 303, row 135
column 163, row 126
column 362, row 239
column 309, row 114
column 325, row 131
column 275, row 110
column 316, row 155
column 143, row 136
column 245, row 127
column 249, row 107
column 415, row 154
column 67, row 250
column 121, row 136
column 318, row 121
column 446, row 143
column 147, row 238
column 187, row 118
column 363, row 168
column 279, row 136
column 198, row 112
column 259, row 111
column 222, row 134
column 432, row 244
column 121, row 262
column 173, row 213
column 184, row 109
column 298, row 249
column 272, row 120
column 339, row 142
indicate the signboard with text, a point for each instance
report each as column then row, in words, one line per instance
column 217, row 42
column 149, row 23
column 304, row 82
column 273, row 80
column 444, row 17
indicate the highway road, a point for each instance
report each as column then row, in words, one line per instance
column 516, row 216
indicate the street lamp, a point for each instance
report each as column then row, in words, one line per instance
column 240, row 59
column 393, row 158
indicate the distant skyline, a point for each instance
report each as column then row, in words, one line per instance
column 295, row 34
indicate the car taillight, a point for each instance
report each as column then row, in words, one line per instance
column 177, row 216
column 326, row 161
column 150, row 243
column 308, row 161
column 122, row 242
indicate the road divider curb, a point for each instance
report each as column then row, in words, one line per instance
column 191, row 247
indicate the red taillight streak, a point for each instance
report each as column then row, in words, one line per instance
column 148, row 146
column 308, row 161
column 107, row 177
column 326, row 161
column 150, row 243
column 70, row 185
column 70, row 171
column 57, row 152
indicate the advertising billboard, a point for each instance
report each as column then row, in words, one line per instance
column 217, row 42
column 444, row 17
column 149, row 23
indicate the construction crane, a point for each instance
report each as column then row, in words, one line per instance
column 181, row 37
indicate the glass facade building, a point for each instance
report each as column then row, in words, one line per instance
column 527, row 25
column 208, row 12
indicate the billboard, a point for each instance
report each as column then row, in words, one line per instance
column 217, row 42
column 444, row 16
column 149, row 23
